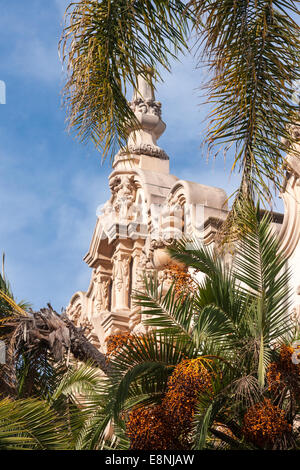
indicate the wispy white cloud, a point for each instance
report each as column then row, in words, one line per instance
column 180, row 97
column 76, row 219
column 45, row 233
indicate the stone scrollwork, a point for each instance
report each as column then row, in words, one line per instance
column 143, row 149
column 173, row 201
column 146, row 106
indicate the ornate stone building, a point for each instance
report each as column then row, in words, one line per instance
column 147, row 209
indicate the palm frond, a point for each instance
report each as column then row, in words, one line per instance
column 260, row 265
column 106, row 44
column 31, row 424
column 147, row 362
column 252, row 48
column 78, row 381
column 169, row 311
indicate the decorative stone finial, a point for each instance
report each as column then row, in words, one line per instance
column 145, row 90
column 142, row 141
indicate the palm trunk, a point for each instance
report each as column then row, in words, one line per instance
column 83, row 350
column 45, row 332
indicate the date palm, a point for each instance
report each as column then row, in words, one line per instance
column 37, row 345
column 57, row 419
column 236, row 319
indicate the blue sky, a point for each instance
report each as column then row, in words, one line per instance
column 51, row 185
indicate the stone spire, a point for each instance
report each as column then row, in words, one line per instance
column 143, row 141
column 144, row 90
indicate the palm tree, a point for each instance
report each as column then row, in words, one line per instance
column 58, row 419
column 31, row 424
column 37, row 347
column 206, row 369
column 251, row 49
column 42, row 388
column 225, row 340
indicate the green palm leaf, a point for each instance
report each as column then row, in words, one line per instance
column 261, row 267
column 106, row 44
column 31, row 424
column 170, row 312
column 253, row 53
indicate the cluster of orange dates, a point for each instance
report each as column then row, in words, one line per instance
column 284, row 373
column 166, row 426
column 184, row 283
column 115, row 342
column 264, row 423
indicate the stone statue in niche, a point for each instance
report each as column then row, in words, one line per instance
column 102, row 300
column 118, row 274
column 121, row 281
column 123, row 191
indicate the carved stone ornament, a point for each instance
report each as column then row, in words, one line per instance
column 120, row 272
column 172, row 201
column 123, row 190
column 161, row 243
column 142, row 139
column 146, row 106
column 87, row 326
column 102, row 299
column 294, row 131
column 143, row 149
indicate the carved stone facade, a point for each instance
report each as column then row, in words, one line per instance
column 148, row 208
